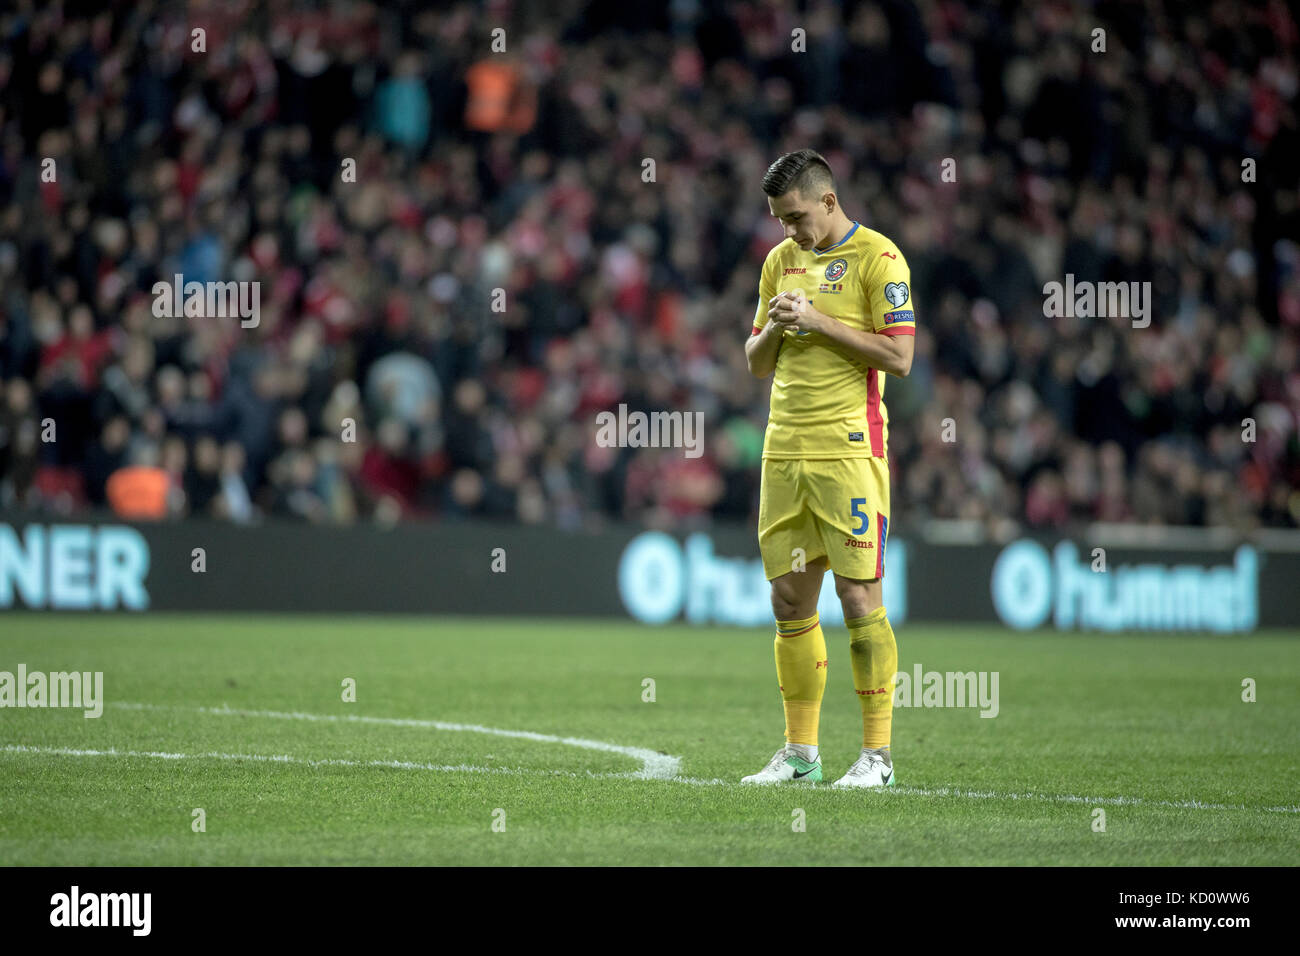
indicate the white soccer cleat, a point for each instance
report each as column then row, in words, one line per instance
column 787, row 766
column 869, row 770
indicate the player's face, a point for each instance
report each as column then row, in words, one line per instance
column 805, row 219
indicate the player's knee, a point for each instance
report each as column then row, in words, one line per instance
column 783, row 608
column 788, row 604
column 858, row 598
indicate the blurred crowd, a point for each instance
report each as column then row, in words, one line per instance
column 463, row 255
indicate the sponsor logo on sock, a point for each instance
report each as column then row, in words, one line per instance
column 878, row 690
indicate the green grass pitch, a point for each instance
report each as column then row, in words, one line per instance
column 1151, row 729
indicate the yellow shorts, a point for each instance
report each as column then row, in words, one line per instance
column 837, row 508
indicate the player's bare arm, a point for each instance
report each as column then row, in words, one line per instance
column 762, row 349
column 889, row 353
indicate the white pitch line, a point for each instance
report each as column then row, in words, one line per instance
column 654, row 765
column 592, row 775
column 287, row 759
column 901, row 790
column 1091, row 801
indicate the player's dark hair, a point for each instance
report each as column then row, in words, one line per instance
column 804, row 169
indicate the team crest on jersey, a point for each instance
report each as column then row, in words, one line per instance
column 896, row 293
column 837, row 269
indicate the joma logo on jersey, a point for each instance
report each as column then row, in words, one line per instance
column 852, row 543
column 794, row 272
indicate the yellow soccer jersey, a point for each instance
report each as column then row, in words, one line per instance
column 825, row 404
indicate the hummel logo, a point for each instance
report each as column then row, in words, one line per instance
column 797, row 774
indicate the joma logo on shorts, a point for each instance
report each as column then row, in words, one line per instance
column 851, row 543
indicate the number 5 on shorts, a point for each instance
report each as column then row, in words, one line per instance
column 862, row 515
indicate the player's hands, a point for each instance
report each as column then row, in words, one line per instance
column 791, row 310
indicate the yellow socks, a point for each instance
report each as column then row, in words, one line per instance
column 801, row 672
column 874, row 654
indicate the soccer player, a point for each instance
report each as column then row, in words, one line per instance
column 835, row 312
